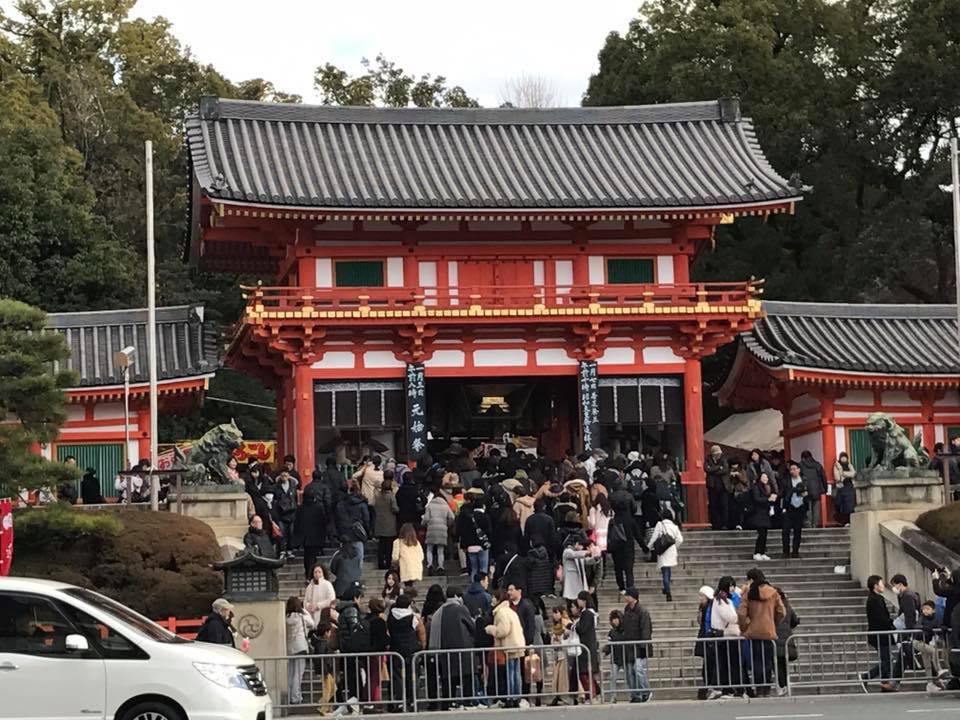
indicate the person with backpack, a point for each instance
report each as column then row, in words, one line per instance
column 511, row 567
column 473, row 532
column 347, row 569
column 353, row 519
column 285, row 503
column 217, row 627
column 353, row 636
column 312, row 520
column 665, row 542
column 621, row 533
column 407, row 637
column 298, row 626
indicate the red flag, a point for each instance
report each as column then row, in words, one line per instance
column 6, row 537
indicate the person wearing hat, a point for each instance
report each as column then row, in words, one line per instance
column 90, row 488
column 216, row 627
column 706, row 649
column 717, row 470
column 638, row 630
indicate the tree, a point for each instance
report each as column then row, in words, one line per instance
column 387, row 85
column 31, row 394
column 529, row 91
column 858, row 98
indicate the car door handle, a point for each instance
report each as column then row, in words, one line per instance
column 8, row 666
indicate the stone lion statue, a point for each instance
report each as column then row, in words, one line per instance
column 891, row 447
column 206, row 461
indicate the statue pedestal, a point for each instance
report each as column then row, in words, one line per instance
column 882, row 496
column 222, row 507
column 890, row 489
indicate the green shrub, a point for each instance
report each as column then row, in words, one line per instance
column 158, row 563
column 943, row 524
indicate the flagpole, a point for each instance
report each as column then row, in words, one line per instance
column 152, row 325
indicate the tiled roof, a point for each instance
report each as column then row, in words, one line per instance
column 908, row 339
column 186, row 345
column 655, row 156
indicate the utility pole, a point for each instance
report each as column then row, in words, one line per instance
column 152, row 327
column 955, row 172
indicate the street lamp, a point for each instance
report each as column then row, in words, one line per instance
column 123, row 359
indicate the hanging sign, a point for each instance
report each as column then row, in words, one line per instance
column 589, row 403
column 6, row 537
column 416, row 410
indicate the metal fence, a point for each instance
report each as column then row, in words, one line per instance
column 504, row 677
column 859, row 660
column 339, row 682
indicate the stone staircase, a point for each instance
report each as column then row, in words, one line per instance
column 825, row 600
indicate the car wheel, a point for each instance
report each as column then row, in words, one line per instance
column 151, row 710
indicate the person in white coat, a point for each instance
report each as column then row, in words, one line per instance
column 576, row 556
column 319, row 594
column 668, row 536
column 299, row 625
column 727, row 653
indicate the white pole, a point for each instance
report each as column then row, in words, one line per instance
column 126, row 427
column 956, row 224
column 151, row 325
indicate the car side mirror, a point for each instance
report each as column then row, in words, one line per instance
column 76, row 643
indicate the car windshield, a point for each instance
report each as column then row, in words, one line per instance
column 125, row 615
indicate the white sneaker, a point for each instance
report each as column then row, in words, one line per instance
column 758, row 557
column 739, row 527
column 933, row 687
column 714, row 694
column 764, row 557
column 781, row 691
column 524, row 704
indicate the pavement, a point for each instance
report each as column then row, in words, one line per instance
column 840, row 707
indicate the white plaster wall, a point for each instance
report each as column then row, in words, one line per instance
column 618, row 356
column 500, row 358
column 554, row 356
column 74, row 412
column 898, row 398
column 108, row 411
column 564, row 272
column 840, row 439
column 857, row 397
column 335, row 361
column 597, row 274
column 395, row 272
column 664, row 269
column 381, row 359
column 324, row 271
column 951, row 398
column 446, row 358
column 654, row 355
column 810, row 441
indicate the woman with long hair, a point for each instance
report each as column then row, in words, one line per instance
column 759, row 614
column 763, row 498
column 319, row 594
column 385, row 523
column 299, row 624
column 726, row 653
column 408, row 555
column 391, row 589
column 845, row 498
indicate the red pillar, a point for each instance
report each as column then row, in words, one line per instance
column 303, row 408
column 681, row 260
column 695, row 479
column 828, row 435
column 143, row 434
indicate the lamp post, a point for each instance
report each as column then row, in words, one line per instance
column 123, row 359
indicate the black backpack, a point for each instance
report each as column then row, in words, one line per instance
column 353, row 631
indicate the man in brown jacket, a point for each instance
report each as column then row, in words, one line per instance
column 759, row 614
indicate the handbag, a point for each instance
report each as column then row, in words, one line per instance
column 532, row 669
column 663, row 543
column 571, row 643
column 359, row 531
column 616, row 536
column 481, row 535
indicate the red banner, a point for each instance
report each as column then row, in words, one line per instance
column 6, row 537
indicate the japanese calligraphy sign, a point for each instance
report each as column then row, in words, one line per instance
column 416, row 387
column 589, row 403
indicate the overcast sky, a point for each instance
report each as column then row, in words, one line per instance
column 477, row 45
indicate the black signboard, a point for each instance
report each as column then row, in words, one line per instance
column 416, row 411
column 589, row 403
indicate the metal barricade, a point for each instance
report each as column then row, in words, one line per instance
column 377, row 682
column 503, row 677
column 686, row 668
column 860, row 659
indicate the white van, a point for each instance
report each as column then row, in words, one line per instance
column 68, row 653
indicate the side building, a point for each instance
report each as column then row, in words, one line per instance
column 446, row 275
column 94, row 432
column 825, row 367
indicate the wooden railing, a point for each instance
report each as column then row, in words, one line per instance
column 185, row 628
column 689, row 295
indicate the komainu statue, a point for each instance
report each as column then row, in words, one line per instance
column 206, row 461
column 891, row 447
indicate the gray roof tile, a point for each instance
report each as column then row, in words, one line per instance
column 655, row 156
column 905, row 339
column 187, row 346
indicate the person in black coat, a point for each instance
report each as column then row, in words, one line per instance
column 506, row 531
column 410, row 504
column 586, row 629
column 258, row 540
column 216, row 628
column 540, row 575
column 621, row 533
column 310, row 528
column 511, row 567
column 472, row 530
column 888, row 668
column 90, row 488
column 353, row 510
column 763, row 497
column 260, row 490
column 541, row 525
column 794, row 498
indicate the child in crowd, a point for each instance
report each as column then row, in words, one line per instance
column 615, row 651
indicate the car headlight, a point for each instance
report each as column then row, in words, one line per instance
column 227, row 676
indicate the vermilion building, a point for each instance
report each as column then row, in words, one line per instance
column 827, row 366
column 446, row 274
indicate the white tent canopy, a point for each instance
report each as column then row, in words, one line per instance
column 745, row 431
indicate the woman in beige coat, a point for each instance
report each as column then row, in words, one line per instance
column 507, row 632
column 408, row 555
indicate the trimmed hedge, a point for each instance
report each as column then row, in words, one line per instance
column 158, row 563
column 943, row 524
